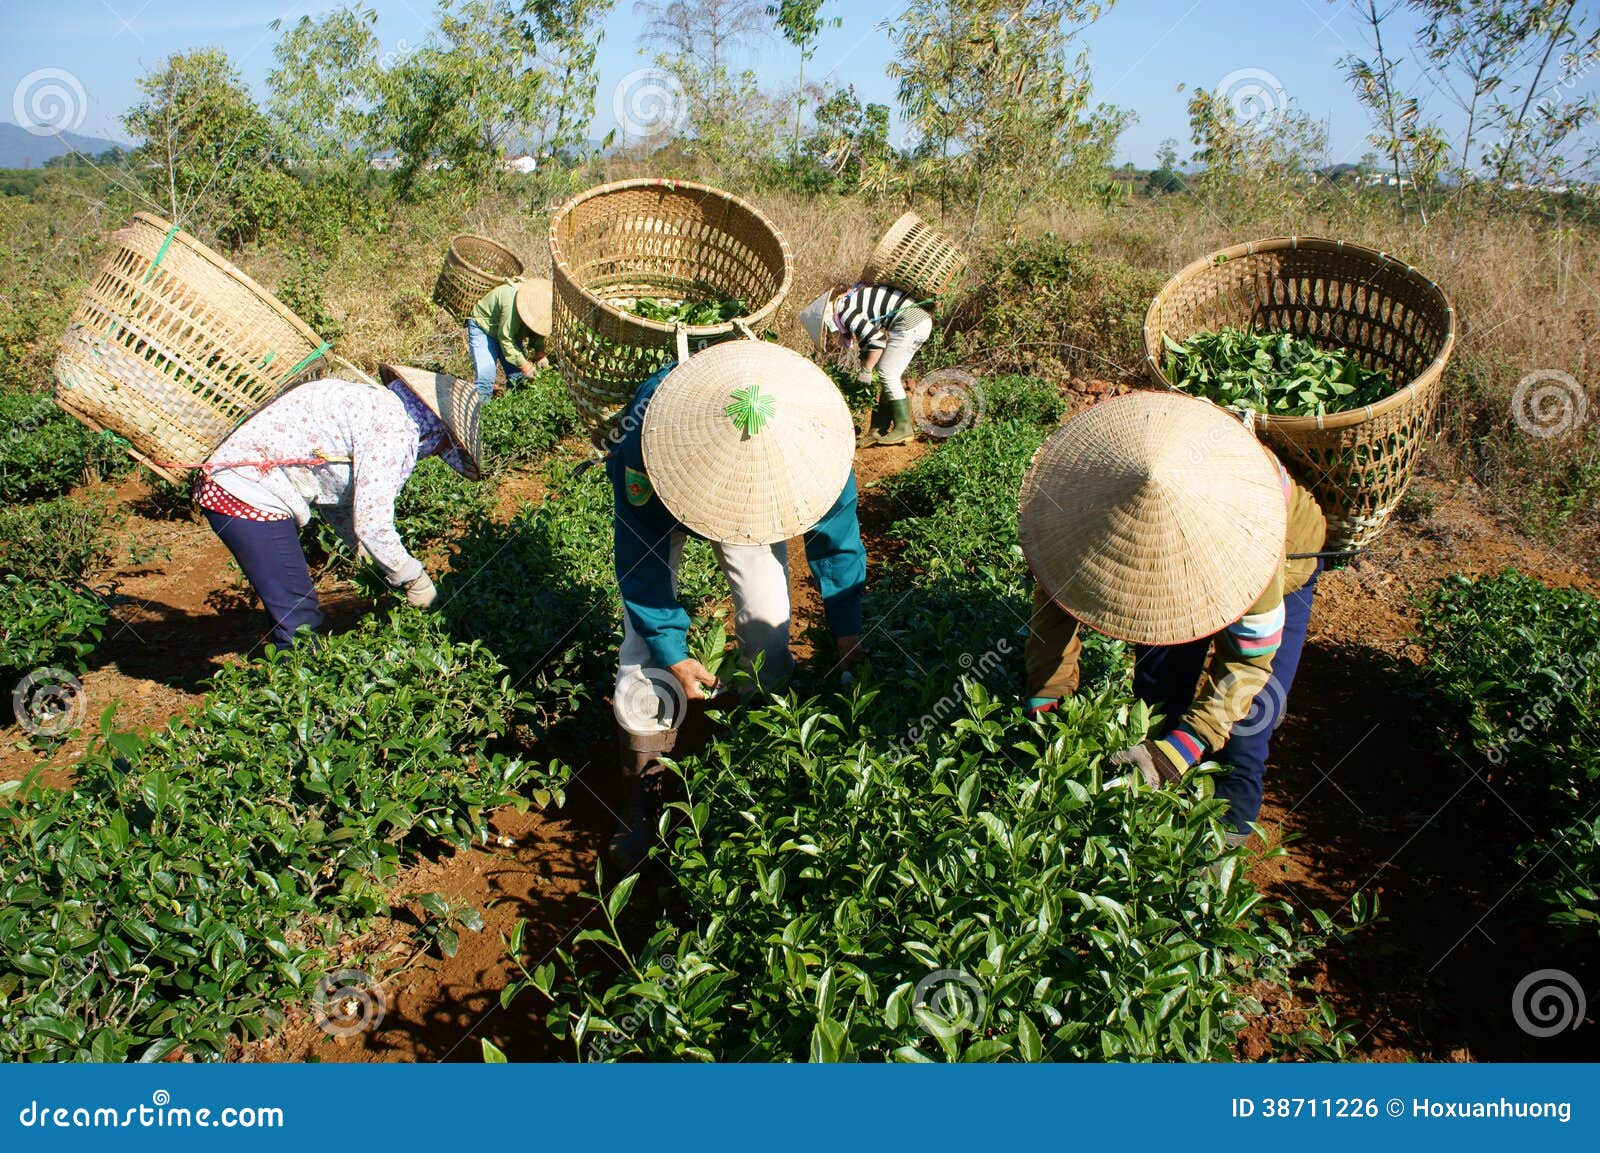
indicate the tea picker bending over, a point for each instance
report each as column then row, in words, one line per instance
column 345, row 450
column 747, row 445
column 890, row 327
column 508, row 329
column 1159, row 519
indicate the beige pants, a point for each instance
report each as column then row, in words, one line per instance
column 648, row 699
column 902, row 345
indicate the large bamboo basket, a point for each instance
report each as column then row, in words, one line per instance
column 915, row 257
column 1337, row 295
column 658, row 238
column 172, row 347
column 473, row 265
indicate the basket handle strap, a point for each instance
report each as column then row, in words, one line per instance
column 743, row 329
column 316, row 354
column 683, row 341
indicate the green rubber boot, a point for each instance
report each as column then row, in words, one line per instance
column 902, row 429
column 881, row 419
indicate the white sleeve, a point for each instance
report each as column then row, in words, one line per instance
column 381, row 463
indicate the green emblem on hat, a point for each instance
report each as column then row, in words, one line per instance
column 750, row 411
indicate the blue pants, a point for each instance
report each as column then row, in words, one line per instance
column 269, row 552
column 1167, row 676
column 486, row 357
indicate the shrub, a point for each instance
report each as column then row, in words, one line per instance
column 522, row 424
column 193, row 880
column 61, row 539
column 44, row 623
column 541, row 590
column 1051, row 309
column 959, row 504
column 303, row 290
column 1515, row 666
column 44, row 452
column 979, row 896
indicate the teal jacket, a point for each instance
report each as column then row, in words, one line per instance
column 644, row 530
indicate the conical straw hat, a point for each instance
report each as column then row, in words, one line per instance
column 748, row 443
column 534, row 304
column 816, row 318
column 1155, row 518
column 455, row 402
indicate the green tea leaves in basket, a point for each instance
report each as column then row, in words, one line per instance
column 1276, row 373
column 695, row 313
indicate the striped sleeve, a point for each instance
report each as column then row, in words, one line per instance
column 1258, row 634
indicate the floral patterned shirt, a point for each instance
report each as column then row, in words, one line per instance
column 369, row 445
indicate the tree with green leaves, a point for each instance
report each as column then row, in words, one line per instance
column 730, row 119
column 851, row 140
column 1001, row 101
column 1514, row 69
column 208, row 154
column 801, row 23
column 322, row 86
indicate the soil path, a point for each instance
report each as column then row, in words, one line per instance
column 1355, row 794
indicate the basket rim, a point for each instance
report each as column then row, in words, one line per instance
column 491, row 241
column 1349, row 418
column 558, row 260
column 235, row 272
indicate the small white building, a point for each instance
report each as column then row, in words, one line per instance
column 524, row 164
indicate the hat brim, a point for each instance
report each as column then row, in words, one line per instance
column 1153, row 518
column 455, row 402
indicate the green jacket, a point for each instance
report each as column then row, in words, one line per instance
column 497, row 315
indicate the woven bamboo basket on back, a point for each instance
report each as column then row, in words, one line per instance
column 666, row 239
column 1336, row 295
column 472, row 266
column 916, row 257
column 172, row 347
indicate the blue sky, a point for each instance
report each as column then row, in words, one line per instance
column 1141, row 51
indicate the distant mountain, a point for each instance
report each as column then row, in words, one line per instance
column 20, row 148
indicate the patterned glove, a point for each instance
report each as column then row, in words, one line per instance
column 1155, row 769
column 421, row 593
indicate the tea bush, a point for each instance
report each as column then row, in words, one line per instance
column 193, row 880
column 45, row 623
column 1051, row 309
column 45, row 453
column 958, row 506
column 1515, row 665
column 522, row 424
column 978, row 896
column 541, row 591
column 61, row 539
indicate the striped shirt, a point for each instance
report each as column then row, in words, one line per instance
column 868, row 311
